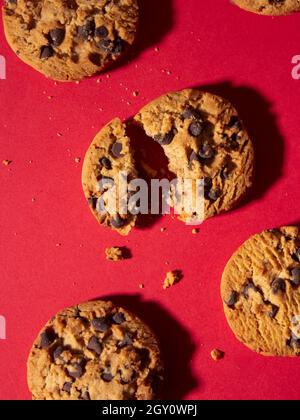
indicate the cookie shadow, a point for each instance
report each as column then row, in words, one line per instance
column 175, row 342
column 151, row 163
column 156, row 20
column 260, row 121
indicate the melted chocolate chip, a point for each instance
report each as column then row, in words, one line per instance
column 166, row 139
column 92, row 202
column 106, row 45
column 116, row 150
column 76, row 371
column 294, row 341
column 196, row 128
column 273, row 312
column 191, row 113
column 57, row 36
column 193, row 157
column 127, row 341
column 46, row 52
column 118, row 46
column 95, row 345
column 235, row 123
column 100, row 324
column 119, row 318
column 233, row 298
column 278, row 285
column 249, row 286
column 57, row 352
column 95, row 59
column 67, row 387
column 214, row 194
column 206, row 152
column 117, row 221
column 47, row 338
column 295, row 272
column 87, row 30
column 106, row 163
column 107, row 377
column 101, row 32
column 86, row 396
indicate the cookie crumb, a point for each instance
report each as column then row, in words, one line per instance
column 6, row 162
column 163, row 229
column 141, row 286
column 156, row 49
column 77, row 159
column 217, row 355
column 172, row 278
column 135, row 93
column 116, row 253
column 195, row 231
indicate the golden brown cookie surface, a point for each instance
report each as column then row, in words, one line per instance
column 269, row 7
column 70, row 39
column 261, row 292
column 94, row 351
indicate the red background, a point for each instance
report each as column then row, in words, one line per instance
column 242, row 56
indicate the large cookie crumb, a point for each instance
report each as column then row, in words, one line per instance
column 172, row 278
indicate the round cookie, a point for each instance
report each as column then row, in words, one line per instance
column 95, row 351
column 70, row 39
column 261, row 293
column 203, row 138
column 109, row 156
column 269, row 7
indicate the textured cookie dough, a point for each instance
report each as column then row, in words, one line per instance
column 261, row 294
column 95, row 351
column 269, row 7
column 108, row 156
column 114, row 254
column 70, row 39
column 203, row 138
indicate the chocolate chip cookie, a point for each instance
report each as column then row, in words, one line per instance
column 261, row 292
column 108, row 167
column 95, row 351
column 70, row 39
column 203, row 138
column 269, row 7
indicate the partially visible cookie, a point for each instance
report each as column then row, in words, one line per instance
column 261, row 292
column 108, row 158
column 70, row 39
column 269, row 7
column 203, row 138
column 95, row 351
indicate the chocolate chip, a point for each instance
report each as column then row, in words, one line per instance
column 214, row 194
column 76, row 371
column 47, row 338
column 294, row 341
column 86, row 396
column 127, row 341
column 46, row 52
column 295, row 272
column 106, row 163
column 191, row 113
column 206, row 152
column 101, row 32
column 207, row 183
column 193, row 157
column 117, row 221
column 57, row 36
column 100, row 324
column 233, row 298
column 235, row 122
column 95, row 59
column 92, row 202
column 196, row 128
column 57, row 352
column 249, row 286
column 273, row 312
column 106, row 45
column 278, row 285
column 95, row 345
column 87, row 30
column 166, row 139
column 296, row 255
column 118, row 46
column 116, row 149
column 67, row 387
column 107, row 377
column 119, row 318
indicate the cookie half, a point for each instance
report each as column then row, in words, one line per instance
column 261, row 292
column 108, row 163
column 269, row 7
column 70, row 39
column 95, row 351
column 203, row 138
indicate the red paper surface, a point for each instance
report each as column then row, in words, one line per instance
column 245, row 58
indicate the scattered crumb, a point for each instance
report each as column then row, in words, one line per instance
column 172, row 278
column 141, row 286
column 58, row 245
column 149, row 171
column 77, row 82
column 77, row 159
column 59, row 134
column 50, row 97
column 33, row 200
column 217, row 355
column 108, row 76
column 195, row 231
column 156, row 49
column 135, row 93
column 167, row 263
column 116, row 253
column 6, row 162
column 163, row 229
